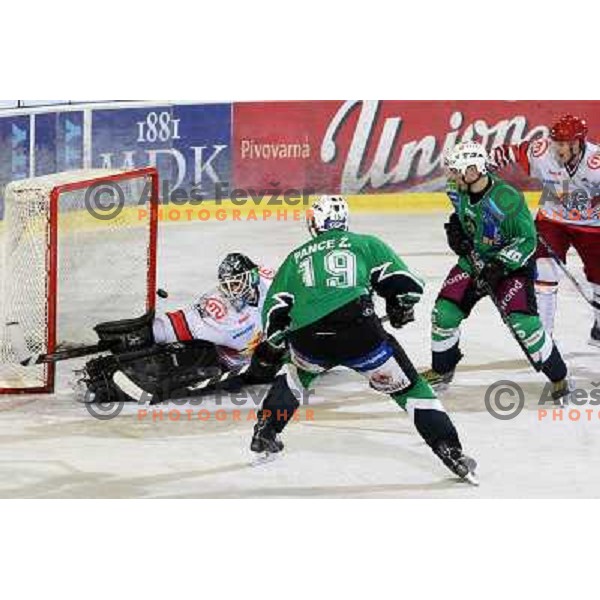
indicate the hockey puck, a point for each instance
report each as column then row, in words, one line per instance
column 162, row 293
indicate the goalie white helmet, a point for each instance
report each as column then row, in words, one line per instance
column 328, row 212
column 468, row 154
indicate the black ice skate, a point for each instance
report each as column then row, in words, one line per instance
column 438, row 381
column 460, row 464
column 265, row 439
column 595, row 335
column 561, row 391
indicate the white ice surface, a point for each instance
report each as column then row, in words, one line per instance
column 359, row 443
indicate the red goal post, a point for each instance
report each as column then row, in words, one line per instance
column 71, row 260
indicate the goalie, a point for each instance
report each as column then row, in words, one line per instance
column 159, row 358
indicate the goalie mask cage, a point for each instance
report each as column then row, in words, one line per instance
column 78, row 248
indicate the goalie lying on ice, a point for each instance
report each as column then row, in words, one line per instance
column 160, row 357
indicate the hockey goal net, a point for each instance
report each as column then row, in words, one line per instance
column 78, row 248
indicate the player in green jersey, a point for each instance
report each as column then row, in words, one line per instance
column 320, row 307
column 491, row 225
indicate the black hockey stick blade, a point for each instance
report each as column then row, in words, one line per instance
column 28, row 358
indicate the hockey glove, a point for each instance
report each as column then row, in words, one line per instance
column 400, row 310
column 266, row 360
column 458, row 241
column 492, row 274
column 500, row 157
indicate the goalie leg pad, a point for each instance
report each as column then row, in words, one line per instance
column 179, row 366
column 158, row 375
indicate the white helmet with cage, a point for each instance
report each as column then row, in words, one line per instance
column 468, row 154
column 327, row 213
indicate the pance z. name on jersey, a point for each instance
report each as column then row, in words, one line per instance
column 309, row 249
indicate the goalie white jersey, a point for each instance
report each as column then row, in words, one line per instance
column 213, row 318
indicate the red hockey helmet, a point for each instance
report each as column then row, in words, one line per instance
column 568, row 129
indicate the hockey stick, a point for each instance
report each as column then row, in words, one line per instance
column 20, row 348
column 487, row 288
column 27, row 358
column 217, row 379
column 568, row 274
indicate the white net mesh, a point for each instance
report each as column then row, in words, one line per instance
column 103, row 263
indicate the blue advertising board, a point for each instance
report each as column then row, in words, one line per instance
column 58, row 142
column 14, row 151
column 189, row 144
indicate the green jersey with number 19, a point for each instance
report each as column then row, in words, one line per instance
column 330, row 271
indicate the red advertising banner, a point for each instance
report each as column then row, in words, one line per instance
column 378, row 146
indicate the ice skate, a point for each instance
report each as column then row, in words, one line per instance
column 440, row 382
column 460, row 464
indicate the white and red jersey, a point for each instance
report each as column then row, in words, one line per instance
column 571, row 197
column 213, row 318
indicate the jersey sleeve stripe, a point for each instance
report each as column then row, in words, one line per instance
column 180, row 326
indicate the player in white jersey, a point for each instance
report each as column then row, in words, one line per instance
column 568, row 166
column 163, row 355
column 228, row 316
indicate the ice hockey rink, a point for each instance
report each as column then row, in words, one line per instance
column 359, row 444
